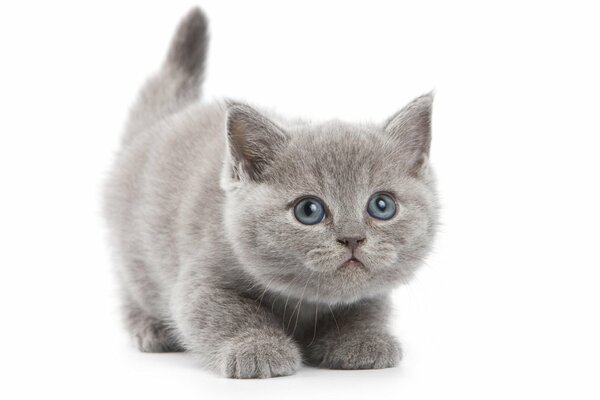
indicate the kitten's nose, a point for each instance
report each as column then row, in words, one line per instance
column 351, row 242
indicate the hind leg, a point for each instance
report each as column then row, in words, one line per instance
column 150, row 334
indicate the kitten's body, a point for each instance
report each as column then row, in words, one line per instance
column 211, row 259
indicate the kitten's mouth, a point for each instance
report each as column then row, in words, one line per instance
column 352, row 263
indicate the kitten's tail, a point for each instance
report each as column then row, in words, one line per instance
column 177, row 84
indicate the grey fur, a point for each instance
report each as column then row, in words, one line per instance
column 210, row 257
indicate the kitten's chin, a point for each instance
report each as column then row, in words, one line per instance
column 346, row 281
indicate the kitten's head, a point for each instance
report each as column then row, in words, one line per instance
column 332, row 212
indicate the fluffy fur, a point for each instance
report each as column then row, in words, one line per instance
column 210, row 257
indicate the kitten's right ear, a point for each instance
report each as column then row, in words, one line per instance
column 253, row 142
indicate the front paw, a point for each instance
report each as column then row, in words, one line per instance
column 358, row 350
column 260, row 354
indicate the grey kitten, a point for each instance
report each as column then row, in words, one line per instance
column 258, row 243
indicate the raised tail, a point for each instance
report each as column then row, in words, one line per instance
column 178, row 82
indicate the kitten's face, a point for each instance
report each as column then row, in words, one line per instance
column 333, row 213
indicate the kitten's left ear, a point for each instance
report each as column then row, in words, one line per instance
column 411, row 128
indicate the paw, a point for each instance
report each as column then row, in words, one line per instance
column 151, row 336
column 361, row 351
column 260, row 355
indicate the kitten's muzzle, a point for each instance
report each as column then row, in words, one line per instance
column 352, row 243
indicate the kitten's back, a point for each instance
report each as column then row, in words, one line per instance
column 171, row 143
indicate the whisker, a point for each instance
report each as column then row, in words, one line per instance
column 316, row 311
column 286, row 301
column 267, row 288
column 410, row 257
column 273, row 303
column 301, row 298
column 334, row 320
column 279, row 294
column 292, row 316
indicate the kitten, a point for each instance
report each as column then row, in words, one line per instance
column 259, row 243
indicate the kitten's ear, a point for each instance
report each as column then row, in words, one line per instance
column 253, row 141
column 411, row 128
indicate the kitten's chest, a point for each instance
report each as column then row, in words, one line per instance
column 298, row 317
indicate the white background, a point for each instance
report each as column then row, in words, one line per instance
column 507, row 305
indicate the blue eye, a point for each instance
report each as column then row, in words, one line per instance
column 309, row 211
column 381, row 206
